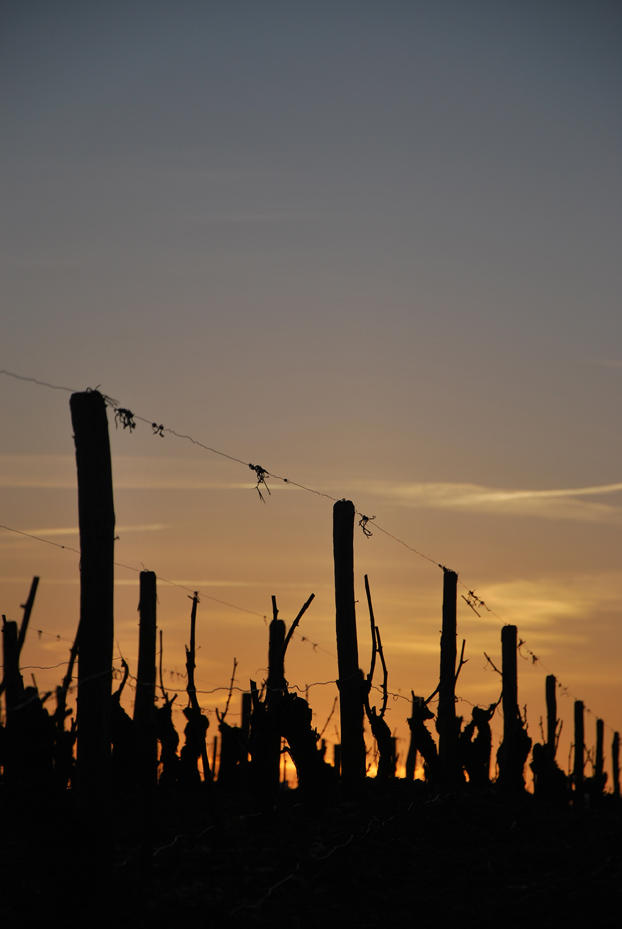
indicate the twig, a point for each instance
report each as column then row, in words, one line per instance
column 491, row 662
column 385, row 694
column 374, row 647
column 329, row 718
column 221, row 719
column 292, row 629
column 463, row 661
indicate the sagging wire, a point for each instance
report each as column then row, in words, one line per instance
column 128, row 420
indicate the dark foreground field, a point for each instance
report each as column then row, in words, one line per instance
column 397, row 856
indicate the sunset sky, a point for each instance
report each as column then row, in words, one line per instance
column 373, row 247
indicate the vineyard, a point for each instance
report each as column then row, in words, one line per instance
column 112, row 810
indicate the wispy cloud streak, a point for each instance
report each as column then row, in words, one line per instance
column 555, row 503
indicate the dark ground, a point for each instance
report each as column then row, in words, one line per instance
column 400, row 855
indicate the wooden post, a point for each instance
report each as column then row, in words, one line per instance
column 551, row 714
column 599, row 766
column 95, row 639
column 96, row 633
column 579, row 751
column 214, row 755
column 247, row 709
column 144, row 703
column 350, row 676
column 516, row 744
column 446, row 717
column 13, row 695
column 275, row 686
column 510, row 681
column 12, row 683
column 615, row 759
column 337, row 758
column 199, row 723
column 411, row 758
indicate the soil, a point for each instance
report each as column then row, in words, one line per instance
column 399, row 854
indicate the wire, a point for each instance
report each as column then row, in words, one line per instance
column 127, row 418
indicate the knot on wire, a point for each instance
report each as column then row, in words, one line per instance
column 363, row 524
column 125, row 417
column 262, row 474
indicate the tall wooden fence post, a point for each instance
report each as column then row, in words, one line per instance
column 350, row 676
column 96, row 519
column 13, row 696
column 446, row 717
column 247, row 707
column 615, row 758
column 551, row 714
column 516, row 744
column 599, row 767
column 411, row 758
column 144, row 703
column 275, row 685
column 579, row 752
column 96, row 633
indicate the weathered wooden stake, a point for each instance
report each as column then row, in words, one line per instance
column 615, row 759
column 214, row 755
column 411, row 758
column 599, row 765
column 275, row 686
column 551, row 714
column 350, row 676
column 510, row 680
column 247, row 708
column 514, row 749
column 199, row 722
column 12, row 683
column 96, row 632
column 337, row 758
column 144, row 703
column 579, row 751
column 446, row 717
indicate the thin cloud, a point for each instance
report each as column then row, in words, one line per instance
column 74, row 530
column 557, row 503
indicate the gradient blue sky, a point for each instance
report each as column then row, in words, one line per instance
column 373, row 247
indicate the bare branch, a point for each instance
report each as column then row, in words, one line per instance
column 463, row 661
column 329, row 718
column 491, row 662
column 385, row 693
column 374, row 647
column 221, row 719
column 293, row 626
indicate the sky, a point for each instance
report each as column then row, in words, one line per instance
column 372, row 247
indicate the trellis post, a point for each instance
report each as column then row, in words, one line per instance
column 96, row 633
column 446, row 717
column 579, row 751
column 551, row 714
column 350, row 676
column 144, row 703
